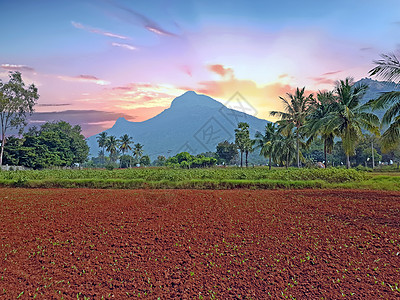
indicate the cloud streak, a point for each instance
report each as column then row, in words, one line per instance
column 99, row 31
column 125, row 46
column 20, row 68
column 53, row 105
column 143, row 21
column 331, row 73
column 84, row 78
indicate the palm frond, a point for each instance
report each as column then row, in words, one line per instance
column 391, row 137
column 391, row 113
column 388, row 67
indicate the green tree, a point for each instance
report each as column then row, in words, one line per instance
column 125, row 161
column 389, row 69
column 16, row 100
column 145, row 160
column 11, row 152
column 77, row 143
column 296, row 108
column 160, row 161
column 348, row 116
column 112, row 147
column 138, row 151
column 226, row 151
column 316, row 122
column 54, row 144
column 242, row 140
column 285, row 147
column 102, row 141
column 125, row 143
column 267, row 142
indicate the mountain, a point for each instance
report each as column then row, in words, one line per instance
column 194, row 123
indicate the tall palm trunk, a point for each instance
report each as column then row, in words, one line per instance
column 2, row 149
column 298, row 150
column 287, row 159
column 373, row 158
column 270, row 163
column 246, row 155
column 347, row 161
column 241, row 158
column 326, row 161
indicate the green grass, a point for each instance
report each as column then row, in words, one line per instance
column 213, row 178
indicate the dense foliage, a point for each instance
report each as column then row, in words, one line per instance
column 16, row 100
column 187, row 161
column 53, row 145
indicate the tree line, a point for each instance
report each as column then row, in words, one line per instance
column 328, row 115
column 119, row 149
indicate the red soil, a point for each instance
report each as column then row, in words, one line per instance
column 189, row 244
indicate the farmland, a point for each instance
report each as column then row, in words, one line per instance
column 199, row 244
column 210, row 178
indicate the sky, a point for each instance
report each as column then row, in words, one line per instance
column 95, row 61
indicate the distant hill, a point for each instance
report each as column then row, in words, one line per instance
column 194, row 123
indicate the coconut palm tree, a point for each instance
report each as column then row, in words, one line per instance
column 296, row 108
column 266, row 142
column 125, row 143
column 242, row 140
column 112, row 147
column 138, row 151
column 348, row 116
column 389, row 69
column 284, row 147
column 102, row 140
column 316, row 121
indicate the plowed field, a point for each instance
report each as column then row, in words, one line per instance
column 192, row 244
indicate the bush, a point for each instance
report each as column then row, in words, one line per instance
column 109, row 167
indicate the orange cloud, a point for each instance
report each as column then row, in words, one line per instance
column 221, row 70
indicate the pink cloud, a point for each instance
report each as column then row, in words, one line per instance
column 221, row 70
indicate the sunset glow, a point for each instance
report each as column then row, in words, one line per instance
column 130, row 59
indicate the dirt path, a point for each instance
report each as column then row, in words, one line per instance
column 192, row 244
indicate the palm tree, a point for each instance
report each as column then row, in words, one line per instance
column 112, row 147
column 125, row 142
column 348, row 116
column 389, row 69
column 316, row 122
column 102, row 140
column 138, row 151
column 296, row 108
column 284, row 147
column 267, row 142
column 242, row 140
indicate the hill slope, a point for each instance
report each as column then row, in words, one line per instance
column 193, row 123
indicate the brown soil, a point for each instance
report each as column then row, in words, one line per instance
column 191, row 244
